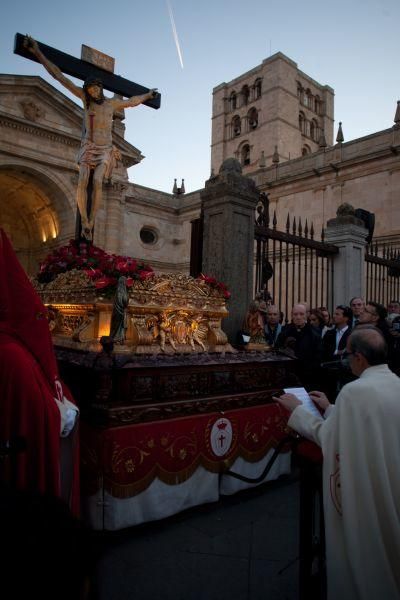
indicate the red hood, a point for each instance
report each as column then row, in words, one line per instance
column 22, row 313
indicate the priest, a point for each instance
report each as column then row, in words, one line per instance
column 360, row 442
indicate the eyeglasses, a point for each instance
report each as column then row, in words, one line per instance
column 370, row 312
column 345, row 355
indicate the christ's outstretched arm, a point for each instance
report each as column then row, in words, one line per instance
column 54, row 71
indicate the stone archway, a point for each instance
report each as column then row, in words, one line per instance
column 35, row 212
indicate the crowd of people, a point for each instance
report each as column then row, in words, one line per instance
column 318, row 339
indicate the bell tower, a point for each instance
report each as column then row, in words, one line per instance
column 274, row 107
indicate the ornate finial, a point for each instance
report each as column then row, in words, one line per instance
column 345, row 210
column 322, row 141
column 397, row 115
column 275, row 156
column 340, row 137
column 177, row 191
column 261, row 162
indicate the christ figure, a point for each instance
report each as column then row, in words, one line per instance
column 97, row 152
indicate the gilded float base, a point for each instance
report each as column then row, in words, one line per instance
column 166, row 314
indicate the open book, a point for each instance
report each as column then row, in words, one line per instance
column 303, row 396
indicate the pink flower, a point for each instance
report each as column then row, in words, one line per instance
column 93, row 273
column 145, row 275
column 103, row 282
column 121, row 266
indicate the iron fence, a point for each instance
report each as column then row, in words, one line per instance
column 382, row 272
column 291, row 265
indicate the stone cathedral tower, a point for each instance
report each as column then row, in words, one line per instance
column 273, row 112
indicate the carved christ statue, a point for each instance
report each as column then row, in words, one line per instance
column 97, row 152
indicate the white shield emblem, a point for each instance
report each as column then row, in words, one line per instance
column 221, row 436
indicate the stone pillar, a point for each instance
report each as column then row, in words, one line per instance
column 115, row 200
column 349, row 234
column 229, row 202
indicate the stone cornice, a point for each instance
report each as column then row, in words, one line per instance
column 39, row 131
column 333, row 161
column 345, row 172
column 31, row 157
column 149, row 204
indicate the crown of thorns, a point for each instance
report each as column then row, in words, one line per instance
column 92, row 81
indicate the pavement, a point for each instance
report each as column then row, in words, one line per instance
column 243, row 547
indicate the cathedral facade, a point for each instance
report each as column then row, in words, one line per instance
column 276, row 120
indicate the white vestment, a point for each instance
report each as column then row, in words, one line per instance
column 360, row 443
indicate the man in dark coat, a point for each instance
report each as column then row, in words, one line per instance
column 304, row 342
column 272, row 327
column 334, row 341
column 333, row 345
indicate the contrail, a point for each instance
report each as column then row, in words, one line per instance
column 174, row 33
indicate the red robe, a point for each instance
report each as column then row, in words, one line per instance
column 29, row 384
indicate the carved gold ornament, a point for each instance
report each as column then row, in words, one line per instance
column 167, row 314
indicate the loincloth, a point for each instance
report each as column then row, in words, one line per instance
column 92, row 156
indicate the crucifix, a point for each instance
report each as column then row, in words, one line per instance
column 97, row 155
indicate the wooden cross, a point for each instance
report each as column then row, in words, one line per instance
column 82, row 69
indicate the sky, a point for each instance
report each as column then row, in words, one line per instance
column 352, row 46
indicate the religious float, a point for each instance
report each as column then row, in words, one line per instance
column 91, row 294
column 168, row 405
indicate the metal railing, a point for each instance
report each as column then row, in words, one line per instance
column 291, row 265
column 382, row 272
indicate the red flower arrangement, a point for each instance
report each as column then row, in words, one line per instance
column 103, row 268
column 218, row 285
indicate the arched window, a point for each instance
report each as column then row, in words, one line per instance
column 305, row 150
column 257, row 89
column 300, row 91
column 252, row 118
column 314, row 130
column 245, row 94
column 308, row 99
column 245, row 155
column 317, row 105
column 302, row 123
column 233, row 101
column 236, row 126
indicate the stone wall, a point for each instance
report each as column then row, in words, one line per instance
column 364, row 172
